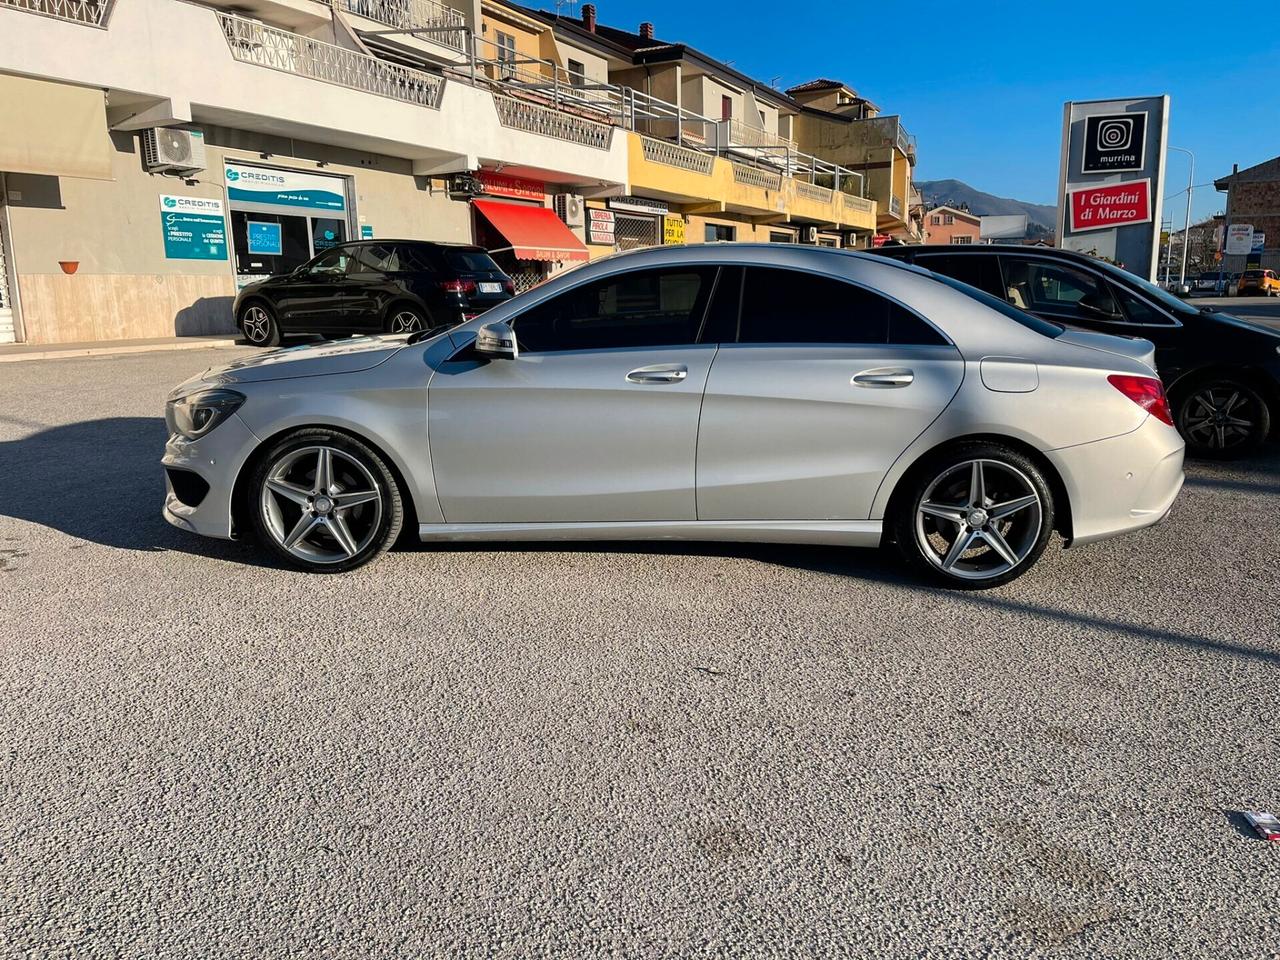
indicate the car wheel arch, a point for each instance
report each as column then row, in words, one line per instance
column 240, row 493
column 1249, row 376
column 1062, row 522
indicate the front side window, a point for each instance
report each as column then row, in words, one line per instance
column 1139, row 311
column 331, row 263
column 1043, row 286
column 790, row 306
column 643, row 308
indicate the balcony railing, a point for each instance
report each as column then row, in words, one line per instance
column 754, row 176
column 438, row 22
column 91, row 13
column 674, row 155
column 548, row 122
column 254, row 42
column 736, row 133
column 859, row 203
column 811, row 191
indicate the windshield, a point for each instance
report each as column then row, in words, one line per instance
column 1042, row 327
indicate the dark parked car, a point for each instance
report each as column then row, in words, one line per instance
column 373, row 286
column 1222, row 373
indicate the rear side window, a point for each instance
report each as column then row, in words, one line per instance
column 376, row 258
column 791, row 306
column 977, row 270
column 1042, row 327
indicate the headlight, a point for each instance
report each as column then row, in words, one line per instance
column 195, row 415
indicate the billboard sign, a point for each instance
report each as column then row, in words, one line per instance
column 279, row 187
column 1111, row 177
column 1097, row 208
column 1114, row 142
column 1239, row 238
column 193, row 228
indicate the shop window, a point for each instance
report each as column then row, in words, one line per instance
column 719, row 231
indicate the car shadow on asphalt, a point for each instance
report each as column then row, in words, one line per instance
column 101, row 481
column 1259, row 474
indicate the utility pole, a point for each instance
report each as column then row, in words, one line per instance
column 1186, row 227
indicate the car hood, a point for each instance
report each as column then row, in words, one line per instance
column 1144, row 351
column 311, row 360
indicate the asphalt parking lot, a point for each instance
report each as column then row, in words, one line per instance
column 617, row 750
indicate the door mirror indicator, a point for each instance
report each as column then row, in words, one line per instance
column 497, row 339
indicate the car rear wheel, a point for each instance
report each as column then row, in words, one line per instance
column 1223, row 419
column 258, row 324
column 406, row 320
column 325, row 502
column 976, row 516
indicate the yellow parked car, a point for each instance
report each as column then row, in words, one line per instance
column 1264, row 282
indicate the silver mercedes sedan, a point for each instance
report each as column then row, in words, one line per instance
column 713, row 392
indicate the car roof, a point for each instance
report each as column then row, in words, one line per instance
column 443, row 244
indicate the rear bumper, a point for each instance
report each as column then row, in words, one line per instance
column 1121, row 484
column 217, row 459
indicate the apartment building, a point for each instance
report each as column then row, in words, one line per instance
column 1253, row 197
column 835, row 123
column 952, row 225
column 159, row 154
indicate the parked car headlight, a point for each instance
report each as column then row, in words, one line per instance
column 195, row 415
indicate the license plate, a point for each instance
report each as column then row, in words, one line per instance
column 490, row 288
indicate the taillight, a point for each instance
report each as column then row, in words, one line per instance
column 1146, row 392
column 458, row 286
column 509, row 285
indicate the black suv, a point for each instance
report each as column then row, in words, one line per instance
column 1222, row 373
column 373, row 286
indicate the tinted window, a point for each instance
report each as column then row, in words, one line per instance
column 789, row 306
column 978, row 271
column 721, row 325
column 639, row 309
column 1056, row 288
column 469, row 261
column 374, row 258
column 1042, row 327
column 331, row 262
column 1139, row 311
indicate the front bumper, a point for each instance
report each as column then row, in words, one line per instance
column 1123, row 483
column 217, row 459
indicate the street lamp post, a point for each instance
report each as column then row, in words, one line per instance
column 1186, row 227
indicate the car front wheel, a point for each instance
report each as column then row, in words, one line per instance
column 406, row 320
column 1222, row 419
column 976, row 516
column 323, row 501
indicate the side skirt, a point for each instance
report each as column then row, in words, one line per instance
column 849, row 533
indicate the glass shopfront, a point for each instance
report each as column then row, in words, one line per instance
column 282, row 217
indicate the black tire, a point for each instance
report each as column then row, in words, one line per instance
column 368, row 529
column 1212, row 415
column 403, row 318
column 925, row 540
column 258, row 324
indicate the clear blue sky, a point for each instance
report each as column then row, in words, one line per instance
column 988, row 110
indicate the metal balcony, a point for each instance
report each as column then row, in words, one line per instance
column 91, row 13
column 439, row 23
column 256, row 43
column 549, row 122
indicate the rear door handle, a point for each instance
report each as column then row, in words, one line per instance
column 659, row 373
column 884, row 377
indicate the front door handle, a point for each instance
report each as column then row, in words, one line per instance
column 659, row 373
column 884, row 377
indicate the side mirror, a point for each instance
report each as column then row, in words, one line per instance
column 497, row 339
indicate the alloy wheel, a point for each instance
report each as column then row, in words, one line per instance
column 979, row 519
column 1220, row 417
column 321, row 504
column 406, row 321
column 256, row 323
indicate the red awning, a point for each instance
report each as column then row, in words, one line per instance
column 534, row 233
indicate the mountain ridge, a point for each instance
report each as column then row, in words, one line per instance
column 957, row 193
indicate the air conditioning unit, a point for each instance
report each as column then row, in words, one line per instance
column 570, row 209
column 170, row 148
column 810, row 235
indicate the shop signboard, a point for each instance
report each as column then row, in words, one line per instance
column 656, row 208
column 504, row 185
column 1111, row 178
column 279, row 187
column 264, row 238
column 194, row 228
column 1239, row 239
column 1097, row 208
column 366, row 231
column 673, row 230
column 601, row 225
